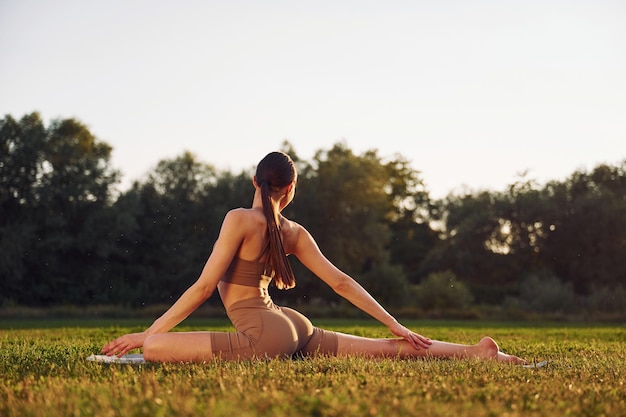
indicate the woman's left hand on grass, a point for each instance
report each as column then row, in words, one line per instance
column 123, row 344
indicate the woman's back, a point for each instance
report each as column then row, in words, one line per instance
column 253, row 248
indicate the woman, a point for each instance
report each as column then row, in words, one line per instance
column 250, row 251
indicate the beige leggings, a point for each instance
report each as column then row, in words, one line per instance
column 264, row 330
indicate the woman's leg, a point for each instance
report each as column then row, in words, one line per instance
column 487, row 348
column 178, row 347
column 196, row 347
column 262, row 333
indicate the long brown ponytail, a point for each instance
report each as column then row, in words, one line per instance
column 274, row 172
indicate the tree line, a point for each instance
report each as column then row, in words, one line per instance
column 68, row 236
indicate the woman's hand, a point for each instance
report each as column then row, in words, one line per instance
column 416, row 340
column 121, row 345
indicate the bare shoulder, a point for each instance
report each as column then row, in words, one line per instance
column 291, row 231
column 239, row 211
column 242, row 214
column 243, row 219
column 290, row 226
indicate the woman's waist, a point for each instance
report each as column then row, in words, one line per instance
column 232, row 294
column 252, row 303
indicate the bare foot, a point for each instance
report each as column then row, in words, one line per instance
column 487, row 348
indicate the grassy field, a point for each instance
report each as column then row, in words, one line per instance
column 44, row 373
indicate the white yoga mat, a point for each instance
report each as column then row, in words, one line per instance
column 535, row 365
column 129, row 358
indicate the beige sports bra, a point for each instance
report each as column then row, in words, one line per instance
column 249, row 273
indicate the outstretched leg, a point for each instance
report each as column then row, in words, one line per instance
column 487, row 348
column 178, row 347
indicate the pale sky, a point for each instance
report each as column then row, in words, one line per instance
column 471, row 92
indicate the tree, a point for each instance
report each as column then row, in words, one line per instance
column 464, row 250
column 442, row 290
column 412, row 236
column 350, row 204
column 173, row 233
column 52, row 202
column 573, row 230
column 587, row 240
column 21, row 157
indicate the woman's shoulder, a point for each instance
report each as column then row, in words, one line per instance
column 242, row 212
column 289, row 225
column 241, row 216
column 291, row 232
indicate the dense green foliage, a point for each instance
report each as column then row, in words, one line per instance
column 67, row 236
column 44, row 373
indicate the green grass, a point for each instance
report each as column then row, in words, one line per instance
column 43, row 372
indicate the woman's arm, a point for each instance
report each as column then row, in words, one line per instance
column 309, row 254
column 230, row 238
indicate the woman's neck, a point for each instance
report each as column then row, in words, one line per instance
column 257, row 201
